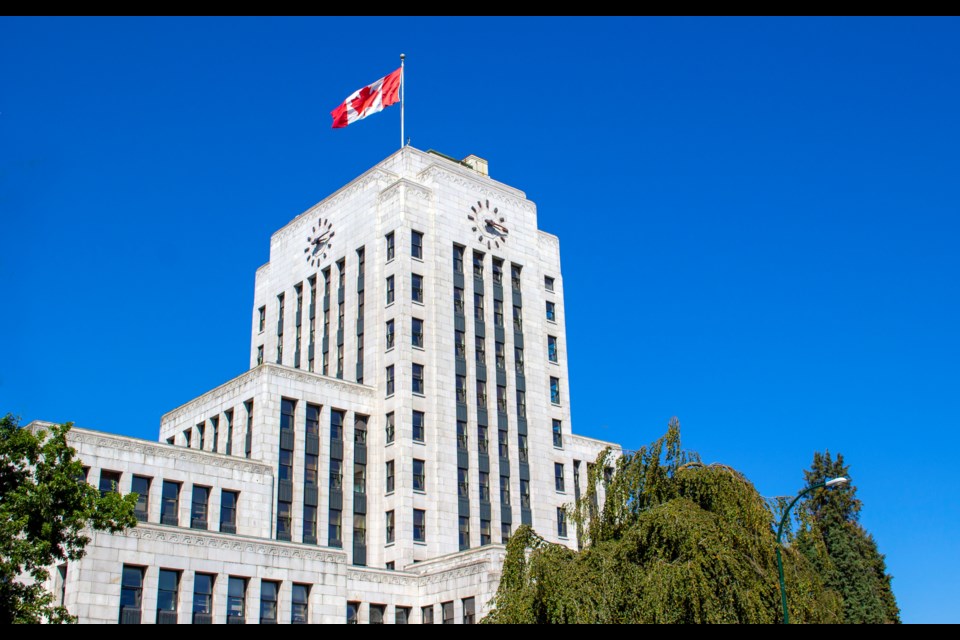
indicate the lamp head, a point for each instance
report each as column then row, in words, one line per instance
column 836, row 481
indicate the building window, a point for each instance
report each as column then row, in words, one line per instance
column 419, row 475
column 203, row 598
column 522, row 403
column 353, row 608
column 300, row 611
column 377, row 613
column 481, row 394
column 390, row 527
column 555, row 390
column 268, row 601
column 309, row 524
column 360, row 478
column 462, row 389
column 557, row 434
column 170, row 503
column 483, row 445
column 390, row 334
column 141, row 487
column 501, row 398
column 552, row 348
column 478, row 306
column 480, row 349
column 498, row 313
column 418, row 379
column 419, row 525
column 607, row 476
column 200, row 435
column 389, row 290
column 390, row 429
column 248, row 438
column 131, row 594
column 504, row 532
column 284, row 521
column 463, row 484
column 551, row 311
column 548, row 283
column 228, row 416
column 458, row 259
column 336, row 425
column 517, row 319
column 390, row 246
column 561, row 522
column 447, row 610
column 522, row 447
column 168, row 588
column 260, row 355
column 504, row 448
column 515, row 276
column 461, row 435
column 558, row 476
column 390, row 566
column 334, row 530
column 484, row 486
column 460, row 344
column 236, row 600
column 417, row 333
column 458, row 300
column 419, row 431
column 401, row 615
column 468, row 610
column 336, row 475
column 518, row 359
column 390, row 381
column 505, row 490
column 524, row 494
column 285, row 470
column 477, row 264
column 109, row 482
column 416, row 287
column 464, row 536
column 501, row 357
column 416, row 245
column 426, row 614
column 497, row 271
column 262, row 321
column 228, row 511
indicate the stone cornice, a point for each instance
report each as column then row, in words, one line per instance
column 232, row 386
column 509, row 196
column 381, row 577
column 372, row 176
column 409, row 187
column 548, row 241
column 593, row 442
column 214, row 540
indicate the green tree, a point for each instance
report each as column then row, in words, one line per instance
column 675, row 541
column 45, row 505
column 842, row 551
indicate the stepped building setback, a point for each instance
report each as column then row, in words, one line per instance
column 406, row 409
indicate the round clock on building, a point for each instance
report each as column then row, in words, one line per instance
column 318, row 242
column 488, row 224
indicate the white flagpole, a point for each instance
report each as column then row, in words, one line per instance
column 402, row 56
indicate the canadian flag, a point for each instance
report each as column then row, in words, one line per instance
column 369, row 100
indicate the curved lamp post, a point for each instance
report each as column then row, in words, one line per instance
column 783, row 521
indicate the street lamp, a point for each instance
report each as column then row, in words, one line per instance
column 786, row 514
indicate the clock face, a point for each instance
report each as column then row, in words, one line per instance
column 318, row 242
column 488, row 224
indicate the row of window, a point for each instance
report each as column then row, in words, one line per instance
column 416, row 245
column 416, row 333
column 378, row 613
column 416, row 288
column 417, row 380
column 168, row 598
column 197, row 436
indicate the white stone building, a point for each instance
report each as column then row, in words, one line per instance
column 406, row 409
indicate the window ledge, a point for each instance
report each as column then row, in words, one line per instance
column 420, row 442
column 417, row 348
column 420, row 543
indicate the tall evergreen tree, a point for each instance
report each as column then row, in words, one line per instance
column 843, row 552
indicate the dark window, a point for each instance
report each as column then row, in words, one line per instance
column 335, row 529
column 284, row 521
column 521, row 403
column 215, row 428
column 484, row 486
column 416, row 287
column 477, row 264
column 551, row 311
column 390, row 527
column 478, row 306
column 518, row 359
column 170, row 503
column 458, row 300
column 500, row 356
column 168, row 588
column 336, row 425
column 480, row 349
column 390, row 247
column 426, row 614
column 336, row 475
column 228, row 415
column 485, row 536
column 418, row 426
column 418, row 379
column 557, row 433
column 483, row 444
column 447, row 608
column 200, row 434
column 390, row 427
column 504, row 489
column 259, row 356
column 376, row 613
column 249, row 436
column 558, row 476
column 555, row 390
column 131, row 593
column 417, row 333
column 463, row 484
column 498, row 313
column 522, row 447
column 517, row 319
column 353, row 608
column 203, row 598
column 460, row 344
column 462, row 389
column 285, row 471
column 390, row 334
column 419, row 475
column 552, row 348
column 515, row 276
column 300, row 611
column 561, row 522
column 402, row 615
column 457, row 259
column 359, row 529
column 498, row 270
column 502, row 444
column 481, row 394
column 268, row 601
column 228, row 511
column 109, row 482
column 141, row 487
column 360, row 478
column 309, row 524
column 390, row 380
column 464, row 533
column 501, row 398
column 468, row 611
column 504, row 532
column 524, row 494
column 419, row 525
column 548, row 283
column 461, row 435
column 262, row 313
column 416, row 245
column 390, row 290
column 236, row 600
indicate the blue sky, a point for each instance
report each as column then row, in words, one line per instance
column 758, row 222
